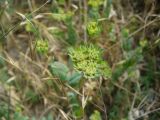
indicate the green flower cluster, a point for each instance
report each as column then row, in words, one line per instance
column 42, row 46
column 143, row 43
column 93, row 28
column 88, row 59
column 95, row 3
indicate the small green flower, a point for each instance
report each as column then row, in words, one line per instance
column 143, row 43
column 93, row 28
column 42, row 46
column 88, row 59
column 105, row 70
column 95, row 3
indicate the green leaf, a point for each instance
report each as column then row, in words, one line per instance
column 127, row 44
column 75, row 78
column 4, row 76
column 50, row 117
column 72, row 36
column 108, row 8
column 61, row 2
column 126, row 41
column 76, row 108
column 122, row 67
column 60, row 70
column 78, row 111
column 2, row 62
column 32, row 96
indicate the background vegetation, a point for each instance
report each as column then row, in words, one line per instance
column 79, row 59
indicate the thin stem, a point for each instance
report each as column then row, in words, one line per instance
column 85, row 20
column 105, row 109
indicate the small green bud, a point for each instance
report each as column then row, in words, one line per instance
column 95, row 3
column 42, row 46
column 93, row 28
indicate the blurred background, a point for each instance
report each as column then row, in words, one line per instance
column 79, row 59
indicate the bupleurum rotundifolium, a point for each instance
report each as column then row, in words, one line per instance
column 42, row 46
column 88, row 59
column 93, row 28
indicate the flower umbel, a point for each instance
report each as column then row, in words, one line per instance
column 93, row 28
column 42, row 46
column 88, row 59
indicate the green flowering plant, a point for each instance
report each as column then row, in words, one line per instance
column 42, row 46
column 88, row 59
column 93, row 28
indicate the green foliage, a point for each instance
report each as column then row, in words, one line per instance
column 88, row 59
column 126, row 41
column 76, row 107
column 61, row 2
column 59, row 16
column 108, row 6
column 74, row 78
column 148, row 79
column 112, row 32
column 72, row 36
column 5, row 113
column 66, row 17
column 96, row 116
column 130, row 63
column 62, row 71
column 32, row 96
column 3, row 75
column 2, row 1
column 19, row 116
column 57, row 33
column 49, row 117
column 93, row 14
column 3, row 110
column 2, row 62
column 115, row 112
